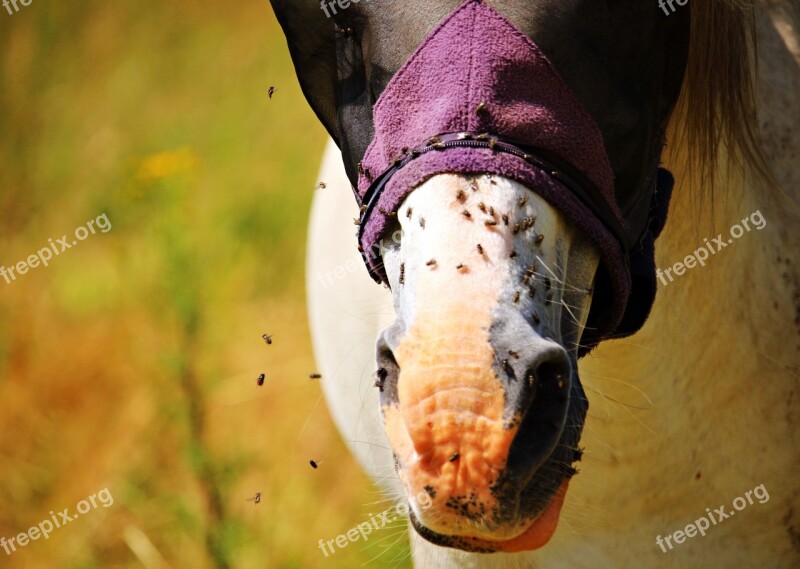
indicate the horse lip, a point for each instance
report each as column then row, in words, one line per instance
column 536, row 535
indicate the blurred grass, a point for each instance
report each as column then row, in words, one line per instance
column 130, row 362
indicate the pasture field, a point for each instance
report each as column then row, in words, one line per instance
column 129, row 363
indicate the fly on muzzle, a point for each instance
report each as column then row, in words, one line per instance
column 478, row 96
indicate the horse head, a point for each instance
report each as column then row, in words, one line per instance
column 505, row 157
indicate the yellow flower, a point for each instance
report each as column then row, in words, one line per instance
column 167, row 163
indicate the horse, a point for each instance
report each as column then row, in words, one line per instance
column 505, row 160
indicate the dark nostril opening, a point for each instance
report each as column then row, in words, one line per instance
column 553, row 373
column 388, row 371
column 543, row 410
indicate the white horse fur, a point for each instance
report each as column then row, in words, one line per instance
column 697, row 409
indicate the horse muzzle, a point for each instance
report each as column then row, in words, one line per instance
column 488, row 441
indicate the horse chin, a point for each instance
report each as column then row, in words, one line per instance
column 538, row 533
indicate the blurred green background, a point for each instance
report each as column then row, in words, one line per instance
column 130, row 362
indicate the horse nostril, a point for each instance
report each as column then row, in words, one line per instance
column 553, row 374
column 540, row 407
column 388, row 370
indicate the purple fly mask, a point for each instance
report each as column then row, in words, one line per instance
column 479, row 97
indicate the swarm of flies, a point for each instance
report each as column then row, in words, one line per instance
column 314, row 375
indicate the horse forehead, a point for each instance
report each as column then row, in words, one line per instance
column 625, row 65
column 555, row 25
column 623, row 60
column 604, row 51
